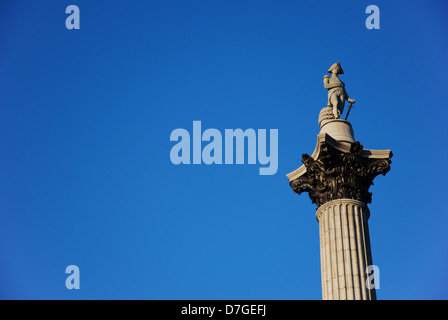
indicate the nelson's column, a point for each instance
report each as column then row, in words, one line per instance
column 337, row 177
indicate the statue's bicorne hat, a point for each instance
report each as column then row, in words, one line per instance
column 336, row 65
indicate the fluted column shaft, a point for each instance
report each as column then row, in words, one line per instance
column 345, row 250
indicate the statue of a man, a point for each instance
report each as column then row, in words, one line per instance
column 336, row 90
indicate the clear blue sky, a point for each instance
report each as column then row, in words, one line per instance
column 85, row 121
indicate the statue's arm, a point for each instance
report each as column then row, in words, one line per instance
column 329, row 86
column 351, row 101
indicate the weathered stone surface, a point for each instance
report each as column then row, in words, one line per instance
column 337, row 178
column 345, row 250
column 339, row 175
column 340, row 130
column 336, row 91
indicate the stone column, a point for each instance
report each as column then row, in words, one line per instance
column 345, row 250
column 337, row 178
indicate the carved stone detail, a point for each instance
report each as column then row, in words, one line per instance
column 338, row 175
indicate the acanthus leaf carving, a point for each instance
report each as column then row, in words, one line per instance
column 336, row 175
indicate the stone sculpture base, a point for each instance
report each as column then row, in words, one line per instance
column 326, row 113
